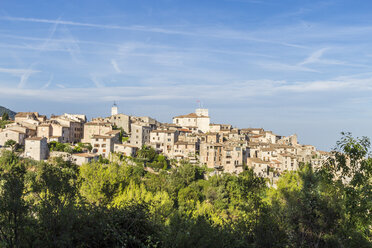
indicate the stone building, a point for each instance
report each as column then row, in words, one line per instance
column 95, row 128
column 200, row 119
column 83, row 158
column 121, row 121
column 36, row 148
column 163, row 140
column 140, row 134
column 126, row 149
column 9, row 134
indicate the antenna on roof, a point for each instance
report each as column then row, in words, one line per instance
column 199, row 103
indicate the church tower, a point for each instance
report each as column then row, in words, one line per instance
column 114, row 109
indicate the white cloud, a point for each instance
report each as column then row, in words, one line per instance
column 18, row 72
column 235, row 91
column 115, row 65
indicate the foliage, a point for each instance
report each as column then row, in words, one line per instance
column 5, row 116
column 3, row 123
column 152, row 159
column 106, row 204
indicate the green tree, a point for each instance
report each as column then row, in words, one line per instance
column 11, row 143
column 5, row 116
column 13, row 208
column 348, row 174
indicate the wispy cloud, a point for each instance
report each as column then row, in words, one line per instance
column 18, row 71
column 91, row 25
column 240, row 90
column 96, row 82
column 48, row 83
column 203, row 32
column 115, row 65
column 276, row 66
column 314, row 57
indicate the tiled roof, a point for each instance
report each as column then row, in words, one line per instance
column 85, row 155
column 258, row 161
column 35, row 138
column 113, row 132
column 191, row 115
column 102, row 137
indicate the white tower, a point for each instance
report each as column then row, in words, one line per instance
column 114, row 109
column 201, row 112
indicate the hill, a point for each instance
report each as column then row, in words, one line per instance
column 10, row 112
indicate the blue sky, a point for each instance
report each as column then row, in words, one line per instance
column 289, row 66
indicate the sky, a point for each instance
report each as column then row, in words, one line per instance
column 290, row 66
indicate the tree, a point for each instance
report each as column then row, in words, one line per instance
column 348, row 174
column 11, row 143
column 13, row 208
column 5, row 116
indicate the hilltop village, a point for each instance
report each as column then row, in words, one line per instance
column 191, row 137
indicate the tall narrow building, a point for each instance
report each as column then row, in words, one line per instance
column 114, row 109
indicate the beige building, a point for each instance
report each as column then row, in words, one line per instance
column 211, row 155
column 75, row 123
column 102, row 145
column 23, row 129
column 225, row 128
column 29, row 117
column 121, row 121
column 259, row 167
column 163, row 140
column 233, row 158
column 9, row 134
column 36, row 148
column 140, row 134
column 126, row 149
column 184, row 150
column 83, row 158
column 200, row 119
column 54, row 130
column 95, row 128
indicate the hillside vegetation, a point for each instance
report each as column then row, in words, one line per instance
column 5, row 110
column 59, row 204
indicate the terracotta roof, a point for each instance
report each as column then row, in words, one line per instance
column 17, row 131
column 267, row 149
column 113, row 132
column 97, row 124
column 258, row 161
column 85, row 155
column 184, row 143
column 163, row 131
column 25, row 114
column 184, row 130
column 35, row 138
column 102, row 137
column 256, row 136
column 191, row 115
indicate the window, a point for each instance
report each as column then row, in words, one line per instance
column 169, row 140
column 104, row 150
column 103, row 145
